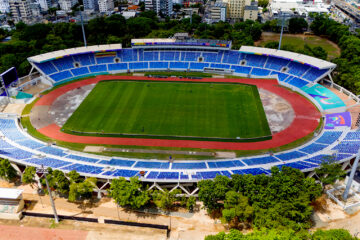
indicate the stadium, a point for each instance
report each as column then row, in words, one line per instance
column 100, row 96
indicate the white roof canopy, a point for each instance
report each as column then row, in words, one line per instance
column 319, row 63
column 72, row 51
column 10, row 193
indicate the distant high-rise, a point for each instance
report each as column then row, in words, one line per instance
column 20, row 9
column 236, row 8
column 44, row 4
column 161, row 7
column 4, row 6
column 66, row 5
column 91, row 5
column 106, row 5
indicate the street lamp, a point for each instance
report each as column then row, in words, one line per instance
column 44, row 171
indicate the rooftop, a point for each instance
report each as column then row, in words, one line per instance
column 321, row 64
column 10, row 193
column 73, row 51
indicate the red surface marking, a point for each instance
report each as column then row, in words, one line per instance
column 305, row 121
column 34, row 233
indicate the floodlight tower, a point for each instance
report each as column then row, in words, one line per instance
column 351, row 177
column 82, row 24
column 282, row 29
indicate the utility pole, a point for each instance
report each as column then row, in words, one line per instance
column 351, row 177
column 44, row 171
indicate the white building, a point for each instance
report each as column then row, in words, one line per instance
column 66, row 5
column 4, row 6
column 299, row 7
column 106, row 5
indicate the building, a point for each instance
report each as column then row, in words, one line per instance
column 297, row 7
column 4, row 6
column 161, row 7
column 251, row 12
column 35, row 9
column 215, row 12
column 66, row 5
column 11, row 203
column 20, row 9
column 106, row 5
column 236, row 8
column 91, row 5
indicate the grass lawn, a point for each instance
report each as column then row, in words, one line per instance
column 171, row 110
column 298, row 41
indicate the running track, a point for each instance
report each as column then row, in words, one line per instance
column 306, row 118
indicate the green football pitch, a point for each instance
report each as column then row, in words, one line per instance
column 171, row 110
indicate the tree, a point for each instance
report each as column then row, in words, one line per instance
column 213, row 191
column 263, row 3
column 237, row 211
column 329, row 171
column 297, row 25
column 334, row 234
column 165, row 199
column 82, row 191
column 28, row 177
column 190, row 203
column 7, row 171
column 129, row 193
column 74, row 176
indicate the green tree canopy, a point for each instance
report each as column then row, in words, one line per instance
column 129, row 193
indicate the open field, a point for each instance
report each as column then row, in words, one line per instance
column 299, row 40
column 172, row 109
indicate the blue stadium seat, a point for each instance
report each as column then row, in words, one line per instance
column 241, row 69
column 179, row 65
column 159, row 65
column 260, row 72
column 46, row 67
column 117, row 66
column 102, row 60
column 314, row 74
column 98, row 68
column 61, row 76
column 80, row 71
column 64, row 63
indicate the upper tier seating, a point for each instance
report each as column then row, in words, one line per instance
column 276, row 63
column 47, row 67
column 150, row 56
column 255, row 60
column 297, row 69
column 85, row 59
column 314, row 74
column 101, row 60
column 232, row 57
column 63, row 63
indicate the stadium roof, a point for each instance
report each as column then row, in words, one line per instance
column 72, row 51
column 321, row 64
column 10, row 193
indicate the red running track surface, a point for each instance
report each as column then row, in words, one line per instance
column 305, row 122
